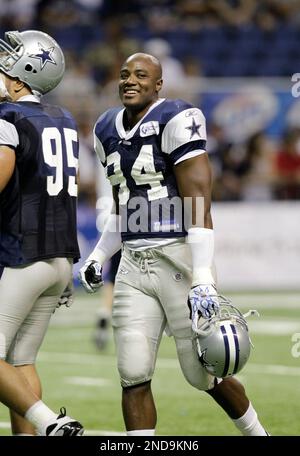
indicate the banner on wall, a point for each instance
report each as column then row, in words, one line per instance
column 244, row 107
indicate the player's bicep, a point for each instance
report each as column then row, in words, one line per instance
column 193, row 176
column 7, row 165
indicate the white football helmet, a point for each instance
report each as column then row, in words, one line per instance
column 223, row 341
column 33, row 57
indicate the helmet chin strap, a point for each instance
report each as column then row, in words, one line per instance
column 250, row 313
column 37, row 94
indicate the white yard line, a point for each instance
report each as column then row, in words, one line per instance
column 87, row 381
column 80, row 358
column 273, row 369
column 163, row 363
column 4, row 425
column 273, row 326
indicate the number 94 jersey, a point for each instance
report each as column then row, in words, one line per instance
column 139, row 164
column 38, row 205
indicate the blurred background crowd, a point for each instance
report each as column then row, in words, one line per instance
column 232, row 58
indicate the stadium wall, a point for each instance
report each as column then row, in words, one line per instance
column 257, row 245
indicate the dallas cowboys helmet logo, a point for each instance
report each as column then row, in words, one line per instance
column 202, row 357
column 45, row 55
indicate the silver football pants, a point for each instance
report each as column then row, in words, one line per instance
column 150, row 295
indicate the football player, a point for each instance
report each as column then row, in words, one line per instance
column 38, row 242
column 153, row 151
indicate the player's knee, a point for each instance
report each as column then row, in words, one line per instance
column 21, row 354
column 3, row 346
column 192, row 369
column 199, row 378
column 135, row 358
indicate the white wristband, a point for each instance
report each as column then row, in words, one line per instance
column 110, row 241
column 201, row 241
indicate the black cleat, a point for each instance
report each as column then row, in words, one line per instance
column 64, row 426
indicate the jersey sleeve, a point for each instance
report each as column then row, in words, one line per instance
column 98, row 146
column 8, row 134
column 184, row 135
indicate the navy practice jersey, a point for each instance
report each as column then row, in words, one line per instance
column 38, row 205
column 139, row 164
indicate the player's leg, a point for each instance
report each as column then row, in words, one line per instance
column 138, row 323
column 231, row 396
column 16, row 299
column 16, row 393
column 139, row 409
column 175, row 280
column 19, row 425
column 14, row 390
column 53, row 275
column 228, row 393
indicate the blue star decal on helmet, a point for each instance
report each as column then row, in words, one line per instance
column 202, row 356
column 45, row 55
column 194, row 129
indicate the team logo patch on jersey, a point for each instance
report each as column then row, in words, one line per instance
column 149, row 128
column 194, row 129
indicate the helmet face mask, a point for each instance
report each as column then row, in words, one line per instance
column 223, row 342
column 34, row 58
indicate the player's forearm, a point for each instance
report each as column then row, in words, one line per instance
column 110, row 241
column 194, row 183
column 201, row 242
column 197, row 211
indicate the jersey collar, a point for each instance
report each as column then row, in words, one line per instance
column 119, row 121
column 29, row 98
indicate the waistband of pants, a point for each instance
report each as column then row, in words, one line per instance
column 149, row 254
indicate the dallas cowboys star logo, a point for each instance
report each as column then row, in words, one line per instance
column 45, row 55
column 203, row 360
column 194, row 129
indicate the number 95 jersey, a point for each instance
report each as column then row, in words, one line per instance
column 38, row 205
column 139, row 164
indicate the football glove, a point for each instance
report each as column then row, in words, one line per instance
column 203, row 302
column 67, row 297
column 90, row 276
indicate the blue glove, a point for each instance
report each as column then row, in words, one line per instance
column 203, row 302
column 90, row 276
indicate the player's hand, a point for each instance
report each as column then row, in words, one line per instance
column 203, row 302
column 67, row 297
column 4, row 95
column 90, row 276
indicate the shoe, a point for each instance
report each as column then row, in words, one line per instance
column 101, row 334
column 64, row 426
